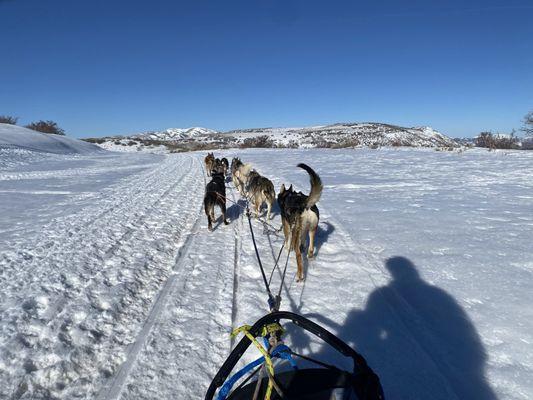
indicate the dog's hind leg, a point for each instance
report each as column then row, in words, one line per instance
column 311, row 250
column 299, row 262
column 296, row 242
column 257, row 204
column 269, row 208
column 209, row 213
column 223, row 209
column 212, row 215
column 286, row 232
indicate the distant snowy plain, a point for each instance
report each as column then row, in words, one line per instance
column 112, row 287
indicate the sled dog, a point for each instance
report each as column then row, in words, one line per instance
column 240, row 174
column 215, row 195
column 218, row 166
column 299, row 215
column 209, row 161
column 225, row 165
column 235, row 163
column 260, row 190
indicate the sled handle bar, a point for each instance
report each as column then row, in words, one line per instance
column 360, row 364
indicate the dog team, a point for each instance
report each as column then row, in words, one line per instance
column 299, row 213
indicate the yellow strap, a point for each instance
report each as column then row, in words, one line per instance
column 272, row 328
column 246, row 330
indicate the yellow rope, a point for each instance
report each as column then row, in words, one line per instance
column 246, row 330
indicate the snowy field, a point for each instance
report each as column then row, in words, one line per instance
column 111, row 287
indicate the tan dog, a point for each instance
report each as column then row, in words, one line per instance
column 240, row 177
column 209, row 161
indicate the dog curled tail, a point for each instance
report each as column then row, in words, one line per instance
column 316, row 185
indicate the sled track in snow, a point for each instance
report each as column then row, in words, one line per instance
column 78, row 272
column 236, row 270
column 75, row 229
column 188, row 335
column 113, row 390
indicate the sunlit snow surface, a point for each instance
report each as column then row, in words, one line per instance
column 112, row 287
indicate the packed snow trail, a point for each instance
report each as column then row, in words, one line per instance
column 190, row 338
column 70, row 323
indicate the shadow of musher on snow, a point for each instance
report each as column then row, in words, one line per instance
column 407, row 326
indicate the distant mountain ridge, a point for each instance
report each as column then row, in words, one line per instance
column 339, row 135
column 177, row 133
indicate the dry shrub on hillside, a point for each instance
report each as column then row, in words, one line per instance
column 263, row 141
column 496, row 141
column 95, row 140
column 50, row 127
column 8, row 119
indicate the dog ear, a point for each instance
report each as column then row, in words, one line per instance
column 282, row 189
column 290, row 188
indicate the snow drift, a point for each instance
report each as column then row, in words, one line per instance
column 17, row 137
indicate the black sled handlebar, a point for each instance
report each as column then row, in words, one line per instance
column 367, row 387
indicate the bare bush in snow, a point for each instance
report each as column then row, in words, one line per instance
column 46, row 127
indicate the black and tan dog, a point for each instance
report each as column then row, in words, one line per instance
column 225, row 165
column 218, row 167
column 299, row 215
column 215, row 195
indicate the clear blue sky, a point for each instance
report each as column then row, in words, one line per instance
column 108, row 67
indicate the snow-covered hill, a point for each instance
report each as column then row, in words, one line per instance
column 17, row 137
column 20, row 146
column 327, row 136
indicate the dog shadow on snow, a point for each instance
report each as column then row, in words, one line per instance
column 325, row 229
column 233, row 212
column 405, row 327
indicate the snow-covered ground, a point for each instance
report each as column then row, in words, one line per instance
column 112, row 287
